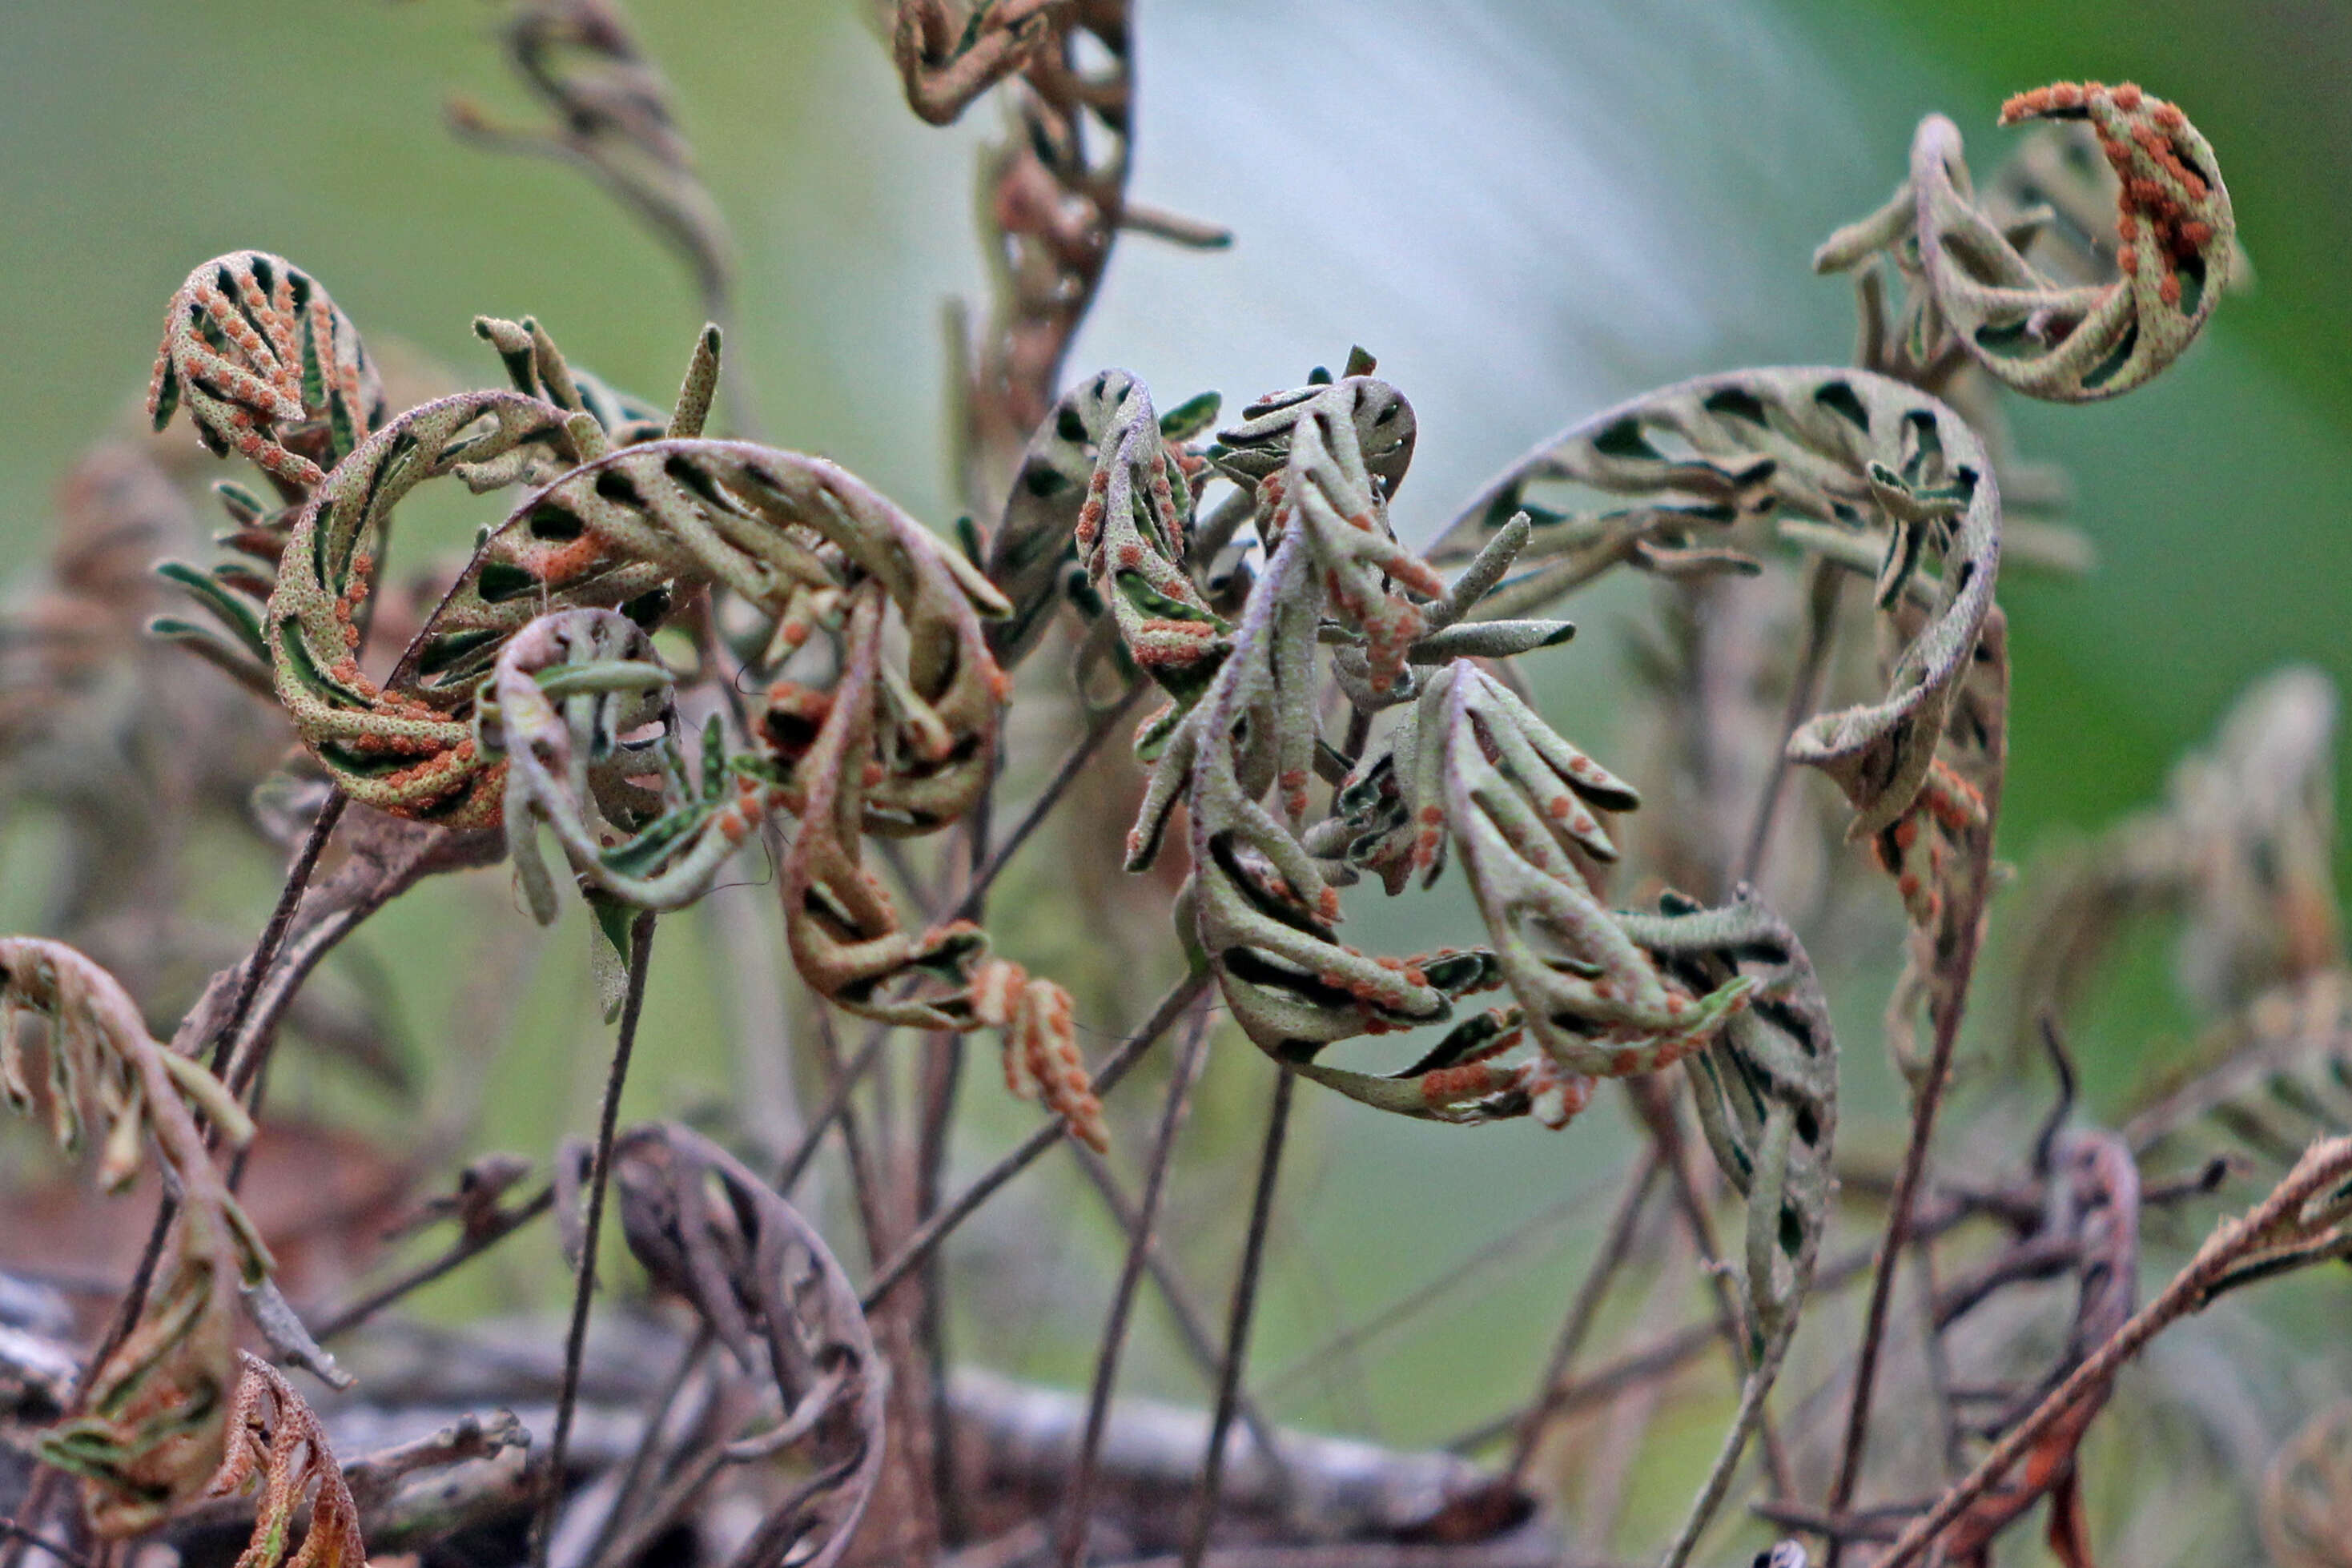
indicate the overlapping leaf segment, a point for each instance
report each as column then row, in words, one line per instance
column 1463, row 762
column 531, row 694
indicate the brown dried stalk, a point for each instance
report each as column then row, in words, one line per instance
column 2300, row 1223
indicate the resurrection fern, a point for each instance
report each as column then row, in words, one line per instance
column 275, row 1438
column 1766, row 1094
column 1862, row 466
column 1969, row 289
column 639, row 516
column 152, row 1433
column 675, row 654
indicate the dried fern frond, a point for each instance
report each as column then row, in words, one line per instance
column 2095, row 1194
column 2307, row 1507
column 2302, row 1222
column 274, row 1437
column 105, row 1067
column 151, row 1433
column 761, row 1276
column 153, row 1430
column 2241, row 850
column 610, row 117
column 1052, row 198
column 1971, row 289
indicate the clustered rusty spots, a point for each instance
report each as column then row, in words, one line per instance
column 2158, row 192
column 266, row 366
column 1971, row 288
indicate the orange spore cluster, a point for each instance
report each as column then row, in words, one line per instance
column 2157, row 184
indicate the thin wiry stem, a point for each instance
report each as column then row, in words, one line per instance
column 1677, row 1349
column 1585, row 1308
column 641, row 943
column 1122, row 1300
column 1937, row 1356
column 240, row 1073
column 1822, row 597
column 864, row 1182
column 1237, row 1328
column 1731, row 1323
column 465, row 1248
column 932, row 1231
column 1451, row 1277
column 796, row 1164
column 632, row 1475
column 1951, row 1004
column 58, row 1550
column 942, row 1075
column 968, row 908
column 1191, row 1327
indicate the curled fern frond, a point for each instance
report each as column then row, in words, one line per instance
column 1765, row 1093
column 564, row 708
column 275, row 1438
column 945, row 66
column 151, row 1432
column 1518, row 802
column 1971, row 288
column 405, row 750
column 1467, row 761
column 267, row 367
column 843, row 926
column 1880, row 475
column 704, row 1227
column 1325, row 460
column 1100, row 479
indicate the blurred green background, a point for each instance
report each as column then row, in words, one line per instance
column 1527, row 211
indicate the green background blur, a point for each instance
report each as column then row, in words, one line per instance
column 1526, row 210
